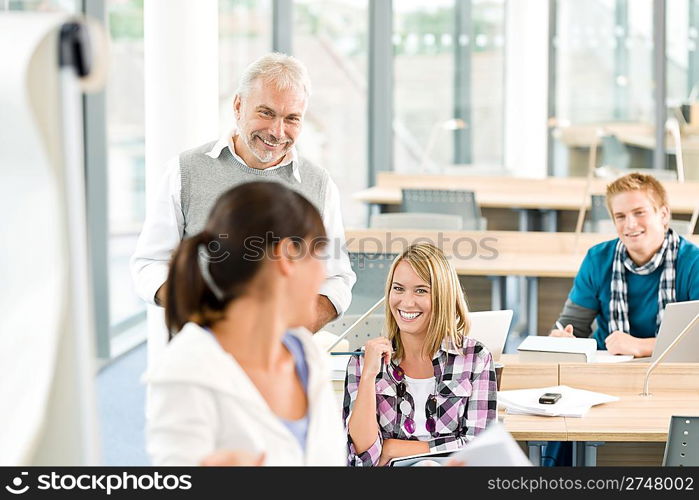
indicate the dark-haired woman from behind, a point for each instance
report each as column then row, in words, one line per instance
column 237, row 377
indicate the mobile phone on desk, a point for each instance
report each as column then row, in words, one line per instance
column 549, row 398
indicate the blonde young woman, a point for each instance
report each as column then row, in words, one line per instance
column 426, row 386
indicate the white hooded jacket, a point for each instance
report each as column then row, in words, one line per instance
column 201, row 401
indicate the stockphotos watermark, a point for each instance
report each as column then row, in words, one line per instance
column 107, row 483
column 257, row 248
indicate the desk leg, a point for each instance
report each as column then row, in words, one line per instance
column 578, row 453
column 532, row 305
column 590, row 453
column 538, row 220
column 497, row 292
column 535, row 452
column 549, row 220
column 525, row 222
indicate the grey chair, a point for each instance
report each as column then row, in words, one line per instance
column 415, row 220
column 615, row 154
column 682, row 446
column 445, row 201
column 368, row 329
column 599, row 218
column 371, row 270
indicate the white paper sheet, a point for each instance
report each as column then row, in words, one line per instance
column 606, row 357
column 573, row 402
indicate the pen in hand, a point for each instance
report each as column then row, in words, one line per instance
column 561, row 328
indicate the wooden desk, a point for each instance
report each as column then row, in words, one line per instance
column 488, row 253
column 634, row 418
column 516, row 375
column 639, row 136
column 633, row 134
column 629, row 377
column 530, row 428
column 549, row 193
column 496, row 254
column 636, row 426
column 534, row 430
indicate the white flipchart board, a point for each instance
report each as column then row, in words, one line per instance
column 47, row 396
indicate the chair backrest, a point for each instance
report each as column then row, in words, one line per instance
column 371, row 270
column 369, row 328
column 680, row 226
column 682, row 446
column 615, row 154
column 444, row 201
column 438, row 222
column 599, row 220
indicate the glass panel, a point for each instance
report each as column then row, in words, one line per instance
column 245, row 33
column 40, row 5
column 603, row 84
column 488, row 81
column 680, row 45
column 126, row 154
column 330, row 37
column 425, row 42
column 423, row 38
column 683, row 80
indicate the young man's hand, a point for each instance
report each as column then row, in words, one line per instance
column 566, row 332
column 623, row 343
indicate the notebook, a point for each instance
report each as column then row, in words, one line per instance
column 540, row 349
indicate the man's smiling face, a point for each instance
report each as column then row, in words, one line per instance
column 640, row 223
column 269, row 122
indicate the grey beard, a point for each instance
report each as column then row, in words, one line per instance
column 265, row 157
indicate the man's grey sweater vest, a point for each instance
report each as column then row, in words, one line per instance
column 204, row 179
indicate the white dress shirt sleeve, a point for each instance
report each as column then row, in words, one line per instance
column 161, row 234
column 340, row 277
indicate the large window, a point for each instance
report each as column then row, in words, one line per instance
column 607, row 83
column 126, row 158
column 41, row 5
column 448, row 65
column 245, row 33
column 330, row 37
column 604, row 83
column 604, row 56
column 681, row 48
column 682, row 66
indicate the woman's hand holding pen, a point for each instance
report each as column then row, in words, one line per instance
column 377, row 352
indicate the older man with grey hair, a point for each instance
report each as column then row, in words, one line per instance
column 269, row 108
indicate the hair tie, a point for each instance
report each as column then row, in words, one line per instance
column 204, row 260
